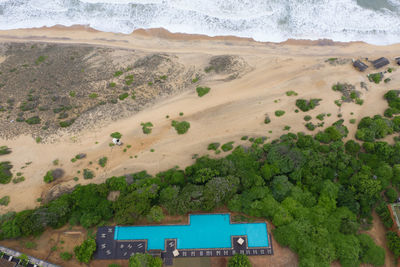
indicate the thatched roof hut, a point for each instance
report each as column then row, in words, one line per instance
column 380, row 62
column 360, row 65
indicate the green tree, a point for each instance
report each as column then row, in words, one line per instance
column 144, row 260
column 239, row 260
column 156, row 214
column 84, row 252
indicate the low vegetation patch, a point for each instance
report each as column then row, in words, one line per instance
column 103, row 161
column 4, row 150
column 4, row 201
column 349, row 94
column 116, row 135
column 307, row 117
column 123, row 96
column 213, row 146
column 375, row 77
column 201, row 91
column 279, row 113
column 146, row 127
column 180, row 127
column 5, row 172
column 88, row 174
column 306, row 105
column 33, row 120
column 267, row 119
column 291, row 93
column 227, row 146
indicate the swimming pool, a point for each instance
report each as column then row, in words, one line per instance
column 204, row 231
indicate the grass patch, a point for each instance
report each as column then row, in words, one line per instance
column 66, row 123
column 201, row 91
column 352, row 121
column 18, row 179
column 30, row 245
column 118, row 73
column 72, row 94
column 279, row 113
column 180, row 127
column 227, row 146
column 244, row 138
column 146, row 127
column 286, row 128
column 291, row 93
column 195, row 80
column 65, row 256
column 116, row 135
column 123, row 96
column 40, row 60
column 387, row 80
column 103, row 161
column 307, row 118
column 93, row 95
column 33, row 120
column 112, row 84
column 38, row 139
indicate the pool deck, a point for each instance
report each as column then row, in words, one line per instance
column 109, row 248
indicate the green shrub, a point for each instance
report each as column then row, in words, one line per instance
column 213, row 146
column 66, row 256
column 387, row 80
column 123, row 96
column 85, row 251
column 93, row 95
column 66, row 123
column 245, row 137
column 201, row 91
column 291, row 93
column 33, row 120
column 48, row 178
column 181, row 127
column 4, row 150
column 195, row 80
column 38, row 139
column 5, row 173
column 72, row 94
column 103, row 161
column 391, row 194
column 359, row 101
column 118, row 73
column 239, row 260
column 40, row 59
column 352, row 121
column 286, row 128
column 305, row 105
column 227, row 146
column 4, row 201
column 375, row 77
column 146, row 127
column 88, row 174
column 320, row 116
column 307, row 118
column 310, row 126
column 18, row 180
column 112, row 84
column 393, row 241
column 267, row 119
column 338, row 103
column 279, row 113
column 116, row 135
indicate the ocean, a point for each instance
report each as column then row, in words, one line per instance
column 371, row 21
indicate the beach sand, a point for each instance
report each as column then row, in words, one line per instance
column 232, row 109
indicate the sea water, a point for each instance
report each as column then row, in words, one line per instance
column 372, row 21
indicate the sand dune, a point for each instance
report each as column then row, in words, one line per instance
column 231, row 109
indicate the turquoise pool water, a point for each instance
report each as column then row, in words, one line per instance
column 204, row 231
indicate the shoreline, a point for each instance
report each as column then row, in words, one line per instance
column 179, row 36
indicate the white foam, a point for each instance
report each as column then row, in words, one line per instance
column 272, row 20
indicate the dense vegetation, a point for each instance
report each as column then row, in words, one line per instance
column 318, row 191
column 239, row 260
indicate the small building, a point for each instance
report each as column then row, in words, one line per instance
column 380, row 62
column 116, row 141
column 397, row 60
column 359, row 65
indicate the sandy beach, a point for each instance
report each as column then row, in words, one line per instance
column 234, row 107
